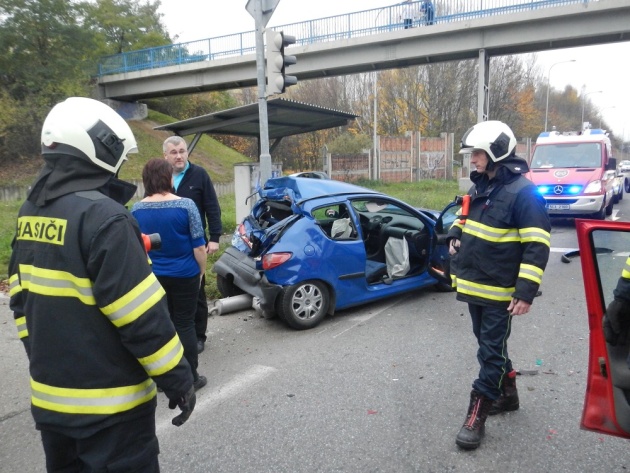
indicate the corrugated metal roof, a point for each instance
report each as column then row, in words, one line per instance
column 285, row 118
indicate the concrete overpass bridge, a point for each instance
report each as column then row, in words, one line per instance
column 372, row 40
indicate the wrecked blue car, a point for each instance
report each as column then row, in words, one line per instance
column 311, row 247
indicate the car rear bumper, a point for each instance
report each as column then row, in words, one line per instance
column 240, row 268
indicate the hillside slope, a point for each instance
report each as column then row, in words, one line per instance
column 217, row 159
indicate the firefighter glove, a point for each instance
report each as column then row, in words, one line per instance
column 186, row 403
column 616, row 322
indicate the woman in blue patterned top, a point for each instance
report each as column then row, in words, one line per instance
column 181, row 260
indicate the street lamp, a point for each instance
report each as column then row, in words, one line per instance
column 548, row 76
column 584, row 101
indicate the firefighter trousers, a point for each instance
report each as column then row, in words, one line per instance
column 124, row 447
column 491, row 326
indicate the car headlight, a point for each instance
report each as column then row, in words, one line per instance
column 594, row 187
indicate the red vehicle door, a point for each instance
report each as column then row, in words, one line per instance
column 604, row 248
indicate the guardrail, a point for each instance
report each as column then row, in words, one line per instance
column 332, row 28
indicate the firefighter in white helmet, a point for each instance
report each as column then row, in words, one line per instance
column 499, row 253
column 91, row 315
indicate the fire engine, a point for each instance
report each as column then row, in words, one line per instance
column 570, row 170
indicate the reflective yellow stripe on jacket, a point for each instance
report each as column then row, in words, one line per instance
column 91, row 401
column 625, row 273
column 50, row 282
column 535, row 234
column 485, row 232
column 494, row 293
column 14, row 285
column 165, row 359
column 531, row 272
column 20, row 323
column 135, row 303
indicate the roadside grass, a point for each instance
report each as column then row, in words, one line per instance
column 430, row 194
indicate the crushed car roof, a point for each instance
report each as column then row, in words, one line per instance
column 304, row 188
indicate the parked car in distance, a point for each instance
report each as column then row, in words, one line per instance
column 603, row 247
column 617, row 180
column 624, row 170
column 311, row 247
column 312, row 174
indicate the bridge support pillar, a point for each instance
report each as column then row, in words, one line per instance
column 483, row 94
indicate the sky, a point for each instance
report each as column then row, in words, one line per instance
column 596, row 68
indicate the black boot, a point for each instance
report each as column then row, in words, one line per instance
column 469, row 436
column 509, row 396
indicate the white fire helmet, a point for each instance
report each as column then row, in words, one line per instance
column 93, row 128
column 493, row 136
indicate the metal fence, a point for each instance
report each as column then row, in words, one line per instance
column 332, row 28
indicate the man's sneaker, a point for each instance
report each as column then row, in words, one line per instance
column 200, row 383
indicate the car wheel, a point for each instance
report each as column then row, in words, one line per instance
column 609, row 207
column 304, row 305
column 626, row 185
column 620, row 195
column 601, row 215
column 227, row 288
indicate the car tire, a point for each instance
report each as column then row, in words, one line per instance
column 626, row 185
column 227, row 288
column 303, row 305
column 620, row 195
column 601, row 214
column 609, row 207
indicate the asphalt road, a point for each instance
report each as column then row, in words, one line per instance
column 382, row 388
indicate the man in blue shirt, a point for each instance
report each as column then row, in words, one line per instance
column 192, row 181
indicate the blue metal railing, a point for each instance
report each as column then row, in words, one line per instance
column 332, row 28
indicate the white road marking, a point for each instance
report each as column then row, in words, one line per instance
column 562, row 250
column 210, row 400
column 359, row 319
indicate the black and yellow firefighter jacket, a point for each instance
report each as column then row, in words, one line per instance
column 504, row 241
column 622, row 291
column 92, row 316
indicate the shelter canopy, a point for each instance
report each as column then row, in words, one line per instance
column 285, row 118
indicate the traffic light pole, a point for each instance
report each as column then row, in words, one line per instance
column 265, row 157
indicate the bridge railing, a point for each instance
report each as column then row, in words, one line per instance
column 332, row 28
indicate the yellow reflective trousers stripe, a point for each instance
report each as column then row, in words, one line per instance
column 103, row 401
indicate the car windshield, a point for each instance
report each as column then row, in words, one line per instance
column 567, row 155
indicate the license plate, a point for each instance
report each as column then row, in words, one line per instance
column 558, row 206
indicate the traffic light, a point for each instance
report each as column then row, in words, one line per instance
column 277, row 61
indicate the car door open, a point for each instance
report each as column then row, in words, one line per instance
column 604, row 249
